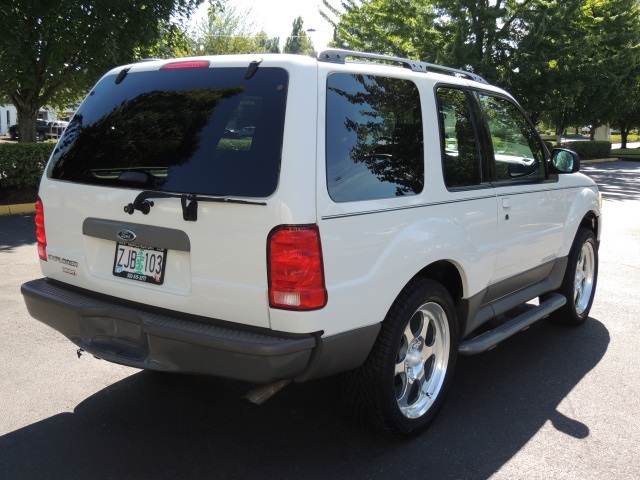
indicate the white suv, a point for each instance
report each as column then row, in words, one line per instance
column 380, row 217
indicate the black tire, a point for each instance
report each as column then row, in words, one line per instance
column 418, row 336
column 41, row 136
column 580, row 279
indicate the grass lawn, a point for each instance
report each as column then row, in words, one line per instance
column 626, row 153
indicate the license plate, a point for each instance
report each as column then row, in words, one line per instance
column 142, row 264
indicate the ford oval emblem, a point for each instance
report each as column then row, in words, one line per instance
column 126, row 235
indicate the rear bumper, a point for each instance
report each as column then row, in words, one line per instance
column 139, row 336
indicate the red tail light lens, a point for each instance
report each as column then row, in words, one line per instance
column 296, row 274
column 41, row 236
column 186, row 64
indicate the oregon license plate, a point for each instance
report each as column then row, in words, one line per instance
column 142, row 264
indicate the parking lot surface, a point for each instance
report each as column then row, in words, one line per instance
column 552, row 402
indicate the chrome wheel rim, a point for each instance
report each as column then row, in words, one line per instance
column 585, row 274
column 421, row 363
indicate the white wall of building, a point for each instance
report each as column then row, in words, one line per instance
column 8, row 117
column 602, row 133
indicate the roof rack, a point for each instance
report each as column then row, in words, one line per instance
column 336, row 55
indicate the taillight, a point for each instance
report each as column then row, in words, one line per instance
column 186, row 64
column 41, row 236
column 296, row 276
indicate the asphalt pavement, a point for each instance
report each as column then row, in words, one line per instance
column 552, row 402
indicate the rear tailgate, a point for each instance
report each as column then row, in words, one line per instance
column 218, row 272
column 145, row 138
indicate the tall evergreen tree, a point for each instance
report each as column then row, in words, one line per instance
column 298, row 41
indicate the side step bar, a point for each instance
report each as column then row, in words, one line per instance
column 490, row 339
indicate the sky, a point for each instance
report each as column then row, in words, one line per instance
column 276, row 18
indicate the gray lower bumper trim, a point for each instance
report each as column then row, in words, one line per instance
column 142, row 338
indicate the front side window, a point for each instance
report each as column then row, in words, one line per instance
column 374, row 142
column 460, row 158
column 517, row 150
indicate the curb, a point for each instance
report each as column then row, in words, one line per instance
column 600, row 160
column 16, row 209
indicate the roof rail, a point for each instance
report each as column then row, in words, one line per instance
column 336, row 55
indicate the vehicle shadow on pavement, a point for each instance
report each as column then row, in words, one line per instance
column 16, row 230
column 154, row 425
column 617, row 181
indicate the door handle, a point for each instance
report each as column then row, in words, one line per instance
column 506, row 203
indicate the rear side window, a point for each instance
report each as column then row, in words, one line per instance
column 203, row 131
column 374, row 140
column 460, row 158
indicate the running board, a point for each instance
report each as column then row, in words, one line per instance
column 488, row 340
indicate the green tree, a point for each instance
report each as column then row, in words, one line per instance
column 482, row 36
column 402, row 28
column 573, row 65
column 610, row 57
column 478, row 36
column 628, row 111
column 52, row 52
column 542, row 72
column 228, row 30
column 173, row 42
column 266, row 44
column 569, row 61
column 298, row 41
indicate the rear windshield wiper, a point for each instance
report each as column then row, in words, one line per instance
column 189, row 210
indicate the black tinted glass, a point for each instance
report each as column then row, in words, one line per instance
column 374, row 138
column 460, row 160
column 207, row 131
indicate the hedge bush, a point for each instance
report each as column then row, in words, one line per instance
column 588, row 150
column 631, row 138
column 21, row 164
column 626, row 153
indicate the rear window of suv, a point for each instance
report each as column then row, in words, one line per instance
column 202, row 131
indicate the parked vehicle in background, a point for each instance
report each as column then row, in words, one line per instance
column 56, row 129
column 44, row 130
column 566, row 138
column 378, row 218
column 245, row 132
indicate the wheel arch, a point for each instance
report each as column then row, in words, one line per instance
column 583, row 212
column 592, row 221
column 448, row 274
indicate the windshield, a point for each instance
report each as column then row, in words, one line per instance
column 202, row 131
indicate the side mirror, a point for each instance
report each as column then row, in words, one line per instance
column 564, row 160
